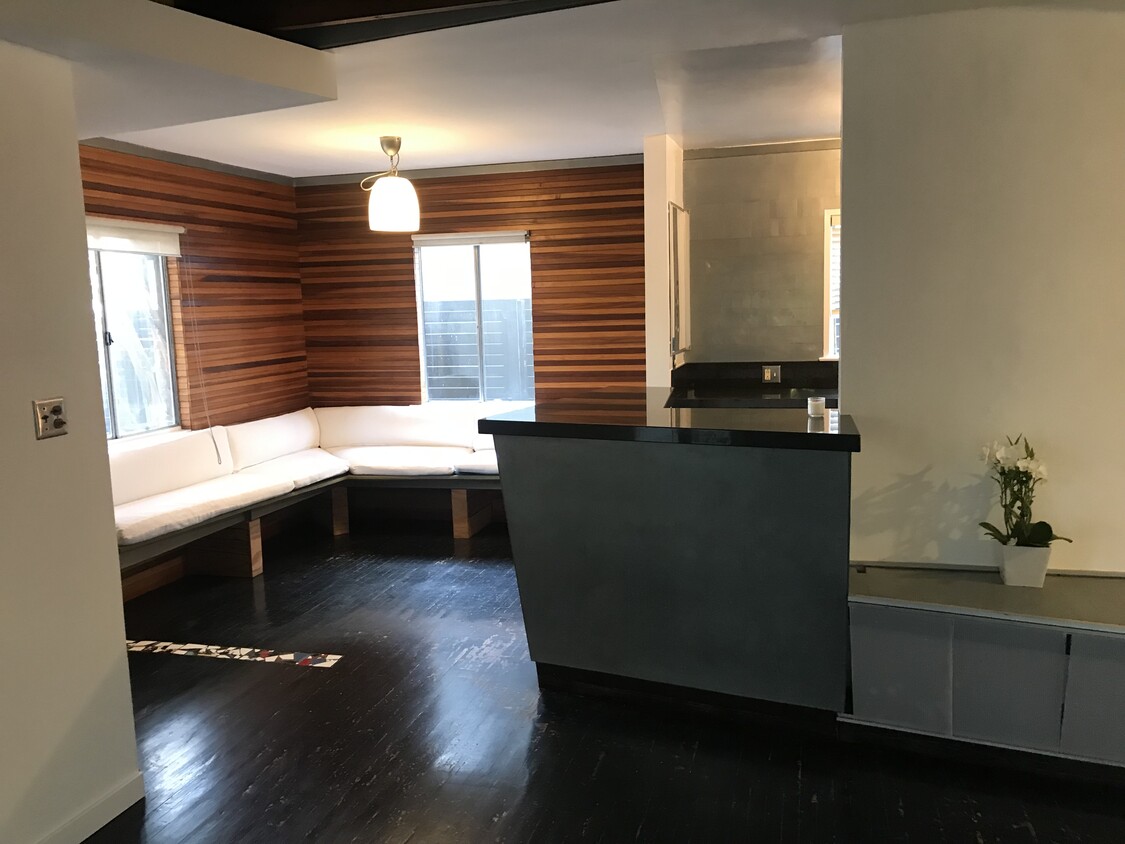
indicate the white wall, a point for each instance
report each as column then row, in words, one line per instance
column 664, row 183
column 984, row 275
column 68, row 759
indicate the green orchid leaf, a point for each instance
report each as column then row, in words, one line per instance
column 995, row 533
column 1039, row 535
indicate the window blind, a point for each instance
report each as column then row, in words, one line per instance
column 126, row 236
column 470, row 239
column 834, row 264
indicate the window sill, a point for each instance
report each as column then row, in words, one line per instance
column 146, row 438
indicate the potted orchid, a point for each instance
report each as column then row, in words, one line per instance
column 1026, row 545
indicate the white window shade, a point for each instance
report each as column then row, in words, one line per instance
column 832, row 233
column 126, row 236
column 834, row 264
column 470, row 239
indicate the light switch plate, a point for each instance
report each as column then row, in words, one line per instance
column 50, row 418
column 771, row 374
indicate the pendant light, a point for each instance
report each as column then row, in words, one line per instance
column 392, row 203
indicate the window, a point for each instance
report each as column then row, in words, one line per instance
column 129, row 283
column 474, row 315
column 832, row 284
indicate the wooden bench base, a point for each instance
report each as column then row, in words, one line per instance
column 231, row 545
column 233, row 552
column 341, row 524
column 472, row 511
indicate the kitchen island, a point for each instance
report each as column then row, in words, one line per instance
column 704, row 549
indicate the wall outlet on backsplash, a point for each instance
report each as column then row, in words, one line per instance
column 771, row 374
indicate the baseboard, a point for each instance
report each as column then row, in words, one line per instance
column 99, row 812
column 651, row 695
column 1038, row 761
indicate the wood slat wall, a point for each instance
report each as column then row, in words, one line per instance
column 236, row 292
column 587, row 264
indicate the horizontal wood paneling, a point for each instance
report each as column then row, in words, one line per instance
column 587, row 262
column 236, row 292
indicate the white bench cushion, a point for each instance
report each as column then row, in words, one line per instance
column 159, row 514
column 478, row 463
column 392, row 425
column 256, row 442
column 402, row 459
column 302, row 468
column 468, row 413
column 139, row 470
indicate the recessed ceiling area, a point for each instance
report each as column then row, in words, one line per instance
column 137, row 65
column 340, row 23
column 575, row 83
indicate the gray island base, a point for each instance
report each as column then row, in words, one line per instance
column 705, row 549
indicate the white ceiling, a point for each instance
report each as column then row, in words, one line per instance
column 584, row 82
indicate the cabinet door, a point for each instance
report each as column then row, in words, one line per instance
column 901, row 666
column 1008, row 682
column 1093, row 724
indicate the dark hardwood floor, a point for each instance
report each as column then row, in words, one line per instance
column 432, row 729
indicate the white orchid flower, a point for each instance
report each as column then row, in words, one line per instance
column 1033, row 467
column 1008, row 456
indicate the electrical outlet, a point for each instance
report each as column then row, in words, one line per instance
column 50, row 418
column 771, row 374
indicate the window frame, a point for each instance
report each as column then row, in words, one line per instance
column 828, row 352
column 104, row 341
column 476, row 240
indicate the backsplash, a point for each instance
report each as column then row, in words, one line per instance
column 794, row 373
column 757, row 253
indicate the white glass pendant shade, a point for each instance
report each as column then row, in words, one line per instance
column 392, row 205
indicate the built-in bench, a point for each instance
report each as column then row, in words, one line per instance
column 207, row 491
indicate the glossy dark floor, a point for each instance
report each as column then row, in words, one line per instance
column 432, row 729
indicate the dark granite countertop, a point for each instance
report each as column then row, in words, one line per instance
column 1085, row 602
column 640, row 415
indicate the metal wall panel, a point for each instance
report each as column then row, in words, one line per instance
column 712, row 567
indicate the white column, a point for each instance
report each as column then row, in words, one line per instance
column 68, row 761
column 664, row 183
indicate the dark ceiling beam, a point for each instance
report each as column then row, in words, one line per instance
column 340, row 23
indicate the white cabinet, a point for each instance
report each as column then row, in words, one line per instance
column 1008, row 682
column 1094, row 723
column 981, row 679
column 901, row 667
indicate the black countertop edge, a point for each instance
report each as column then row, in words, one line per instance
column 680, row 398
column 846, row 440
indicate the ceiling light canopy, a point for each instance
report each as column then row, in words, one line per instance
column 392, row 202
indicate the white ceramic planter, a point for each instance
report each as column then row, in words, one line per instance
column 1023, row 566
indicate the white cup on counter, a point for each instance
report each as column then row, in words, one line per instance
column 816, row 406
